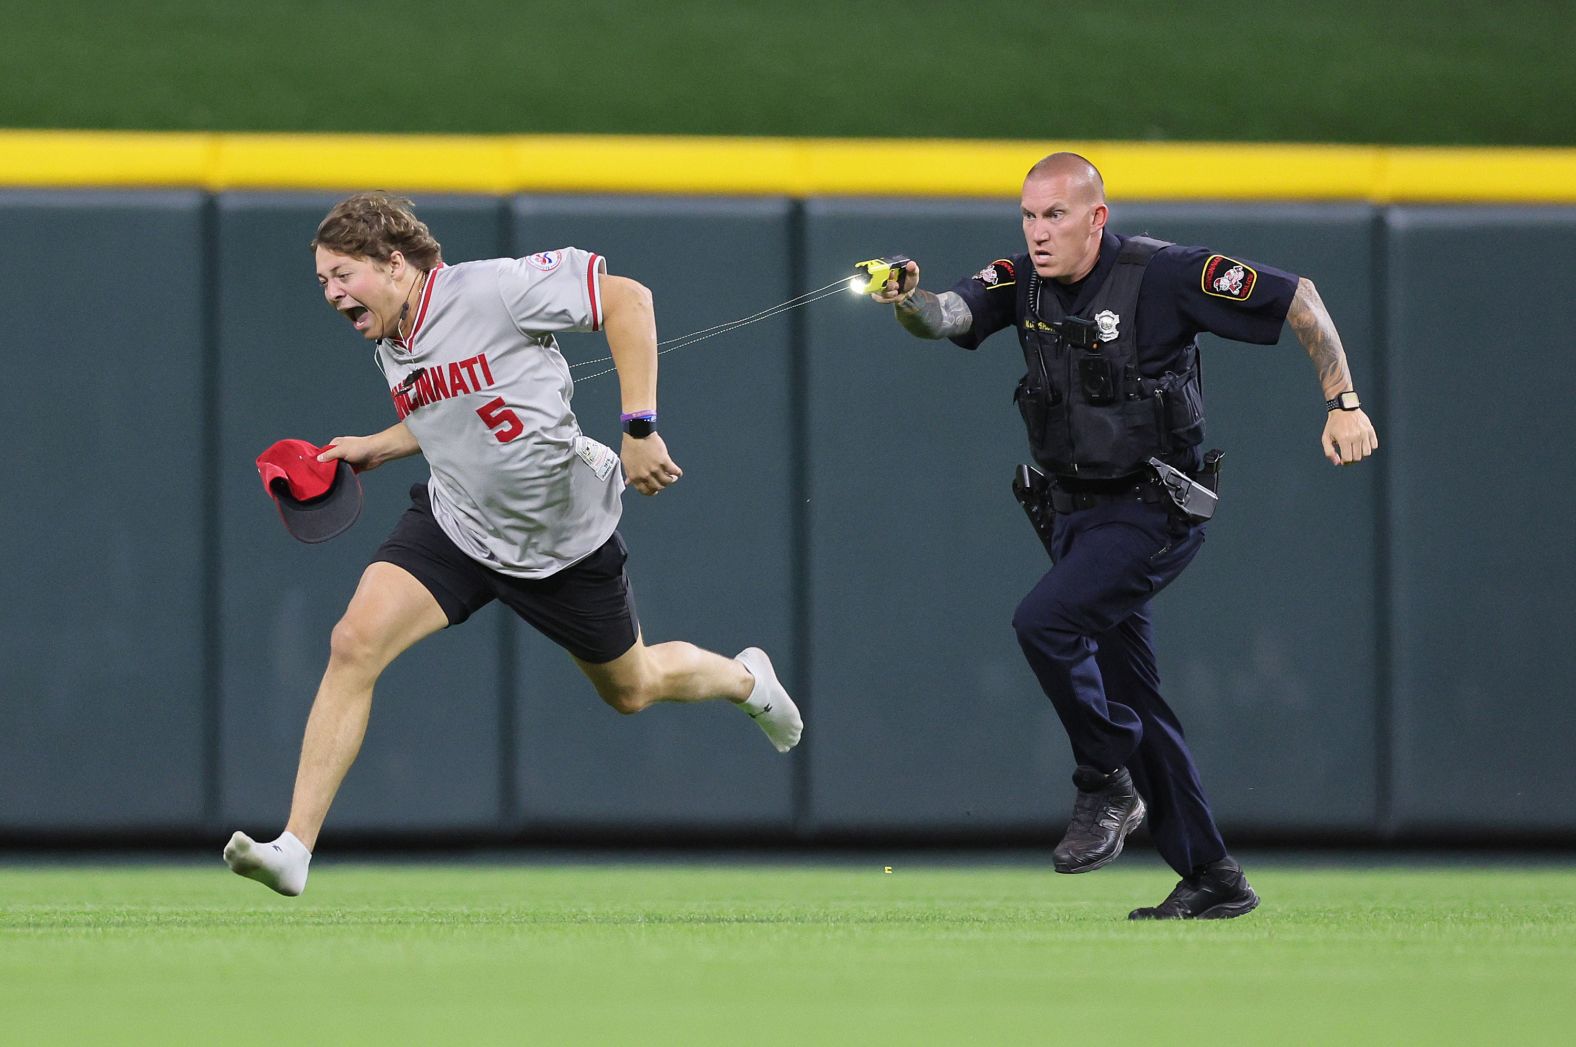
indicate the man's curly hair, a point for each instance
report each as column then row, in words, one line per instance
column 375, row 225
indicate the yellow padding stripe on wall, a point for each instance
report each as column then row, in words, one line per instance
column 798, row 167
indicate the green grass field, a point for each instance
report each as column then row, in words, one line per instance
column 781, row 954
column 1445, row 72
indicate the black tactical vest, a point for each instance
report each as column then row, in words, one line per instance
column 1089, row 411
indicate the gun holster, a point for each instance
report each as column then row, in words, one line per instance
column 1194, row 499
column 1033, row 491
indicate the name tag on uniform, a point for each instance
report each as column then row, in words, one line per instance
column 600, row 457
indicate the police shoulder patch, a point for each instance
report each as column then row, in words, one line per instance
column 998, row 274
column 1227, row 278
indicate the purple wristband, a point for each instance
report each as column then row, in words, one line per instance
column 644, row 416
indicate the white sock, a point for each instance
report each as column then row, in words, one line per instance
column 280, row 864
column 768, row 704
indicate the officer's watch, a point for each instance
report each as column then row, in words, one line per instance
column 641, row 424
column 1346, row 401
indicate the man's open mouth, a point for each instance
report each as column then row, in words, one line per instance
column 360, row 318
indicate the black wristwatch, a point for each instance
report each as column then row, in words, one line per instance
column 1346, row 401
column 641, row 425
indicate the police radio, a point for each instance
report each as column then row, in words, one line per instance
column 1079, row 333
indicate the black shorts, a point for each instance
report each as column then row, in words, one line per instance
column 587, row 608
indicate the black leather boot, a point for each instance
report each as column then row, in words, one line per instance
column 1217, row 891
column 1106, row 810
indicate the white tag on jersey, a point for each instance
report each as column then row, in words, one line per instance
column 598, row 456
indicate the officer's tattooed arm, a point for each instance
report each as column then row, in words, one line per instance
column 1316, row 331
column 934, row 315
column 1348, row 435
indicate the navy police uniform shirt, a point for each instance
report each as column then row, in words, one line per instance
column 1186, row 290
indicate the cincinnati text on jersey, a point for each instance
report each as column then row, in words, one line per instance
column 440, row 383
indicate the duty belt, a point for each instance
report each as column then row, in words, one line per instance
column 1147, row 491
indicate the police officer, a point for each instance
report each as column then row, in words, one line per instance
column 1108, row 325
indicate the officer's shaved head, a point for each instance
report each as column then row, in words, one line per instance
column 1064, row 215
column 1080, row 174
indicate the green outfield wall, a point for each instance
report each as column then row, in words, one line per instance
column 1378, row 653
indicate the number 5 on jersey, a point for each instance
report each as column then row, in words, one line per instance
column 506, row 425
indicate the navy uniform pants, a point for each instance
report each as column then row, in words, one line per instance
column 1086, row 631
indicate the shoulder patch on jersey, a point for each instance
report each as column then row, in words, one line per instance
column 998, row 274
column 1227, row 278
column 546, row 261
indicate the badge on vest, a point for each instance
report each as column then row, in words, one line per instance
column 598, row 456
column 1105, row 323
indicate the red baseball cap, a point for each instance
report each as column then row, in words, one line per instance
column 316, row 500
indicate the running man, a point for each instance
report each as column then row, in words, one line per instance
column 521, row 506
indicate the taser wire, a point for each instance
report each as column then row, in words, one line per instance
column 680, row 341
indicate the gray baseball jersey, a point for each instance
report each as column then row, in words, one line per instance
column 481, row 384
